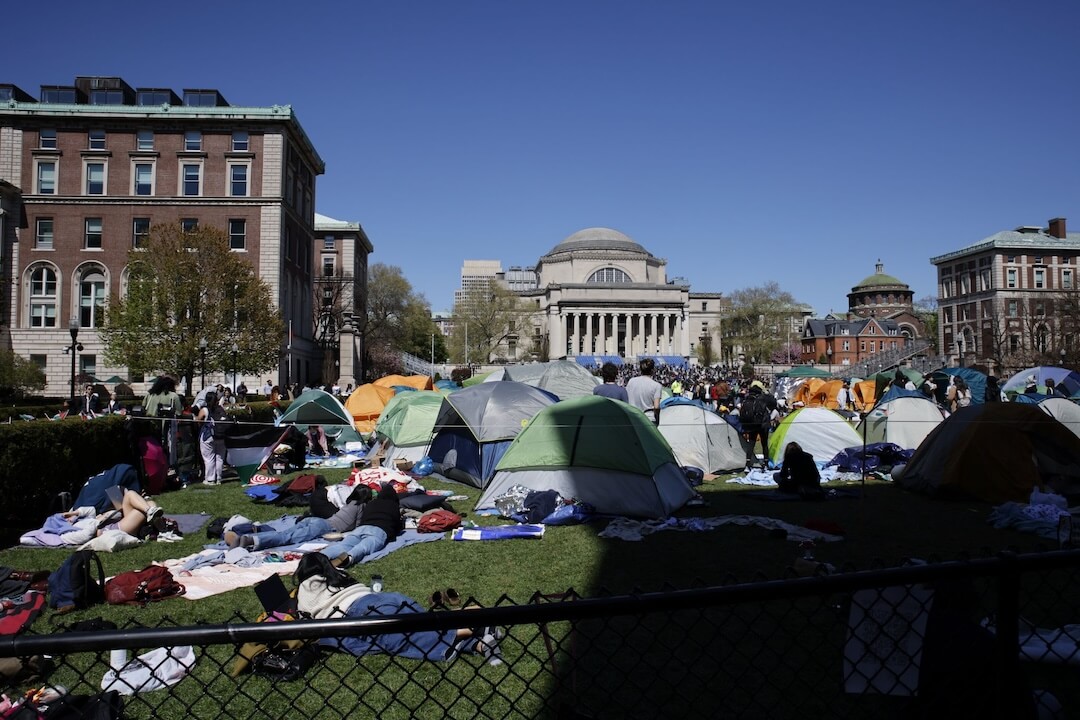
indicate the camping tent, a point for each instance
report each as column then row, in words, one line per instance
column 317, row 407
column 864, row 393
column 976, row 382
column 366, row 404
column 406, row 424
column 903, row 417
column 822, row 433
column 564, row 378
column 807, row 391
column 417, row 382
column 1067, row 380
column 806, row 371
column 597, row 450
column 994, row 452
column 476, row 424
column 1064, row 411
column 700, row 438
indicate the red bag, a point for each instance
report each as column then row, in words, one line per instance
column 139, row 587
column 437, row 521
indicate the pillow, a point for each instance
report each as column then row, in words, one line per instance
column 421, row 501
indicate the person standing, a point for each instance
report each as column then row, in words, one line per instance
column 993, row 391
column 267, row 388
column 844, row 400
column 611, row 389
column 643, row 392
column 212, row 448
column 755, row 416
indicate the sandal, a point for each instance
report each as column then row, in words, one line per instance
column 437, row 601
column 451, row 598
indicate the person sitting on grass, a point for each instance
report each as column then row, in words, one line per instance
column 799, row 473
column 317, row 442
column 346, row 519
column 325, row 592
column 138, row 515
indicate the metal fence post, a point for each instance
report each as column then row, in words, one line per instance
column 1008, row 630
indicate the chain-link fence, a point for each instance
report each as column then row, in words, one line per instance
column 991, row 637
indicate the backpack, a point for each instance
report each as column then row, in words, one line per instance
column 139, row 587
column 437, row 521
column 216, row 529
column 72, row 586
column 754, row 410
column 963, row 398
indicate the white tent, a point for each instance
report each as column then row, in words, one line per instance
column 903, row 421
column 700, row 438
column 821, row 432
column 1064, row 411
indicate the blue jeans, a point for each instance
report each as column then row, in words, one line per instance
column 307, row 529
column 358, row 543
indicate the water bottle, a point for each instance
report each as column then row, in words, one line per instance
column 118, row 659
column 376, row 583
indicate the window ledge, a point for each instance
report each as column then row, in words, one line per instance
column 46, row 151
column 240, row 155
column 96, row 153
column 144, row 153
column 191, row 154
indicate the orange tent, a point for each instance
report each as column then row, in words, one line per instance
column 420, row 382
column 825, row 395
column 865, row 394
column 366, row 405
column 806, row 392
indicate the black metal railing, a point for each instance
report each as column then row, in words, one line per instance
column 925, row 640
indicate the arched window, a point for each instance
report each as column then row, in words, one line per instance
column 609, row 275
column 43, row 297
column 91, row 296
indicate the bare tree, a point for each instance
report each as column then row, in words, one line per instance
column 489, row 316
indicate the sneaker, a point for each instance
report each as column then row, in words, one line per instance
column 153, row 514
column 247, row 541
column 231, row 538
column 488, row 646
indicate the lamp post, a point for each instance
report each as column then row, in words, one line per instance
column 828, row 356
column 202, row 360
column 234, row 351
column 73, row 328
column 1062, row 354
column 432, row 357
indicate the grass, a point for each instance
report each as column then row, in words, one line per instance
column 884, row 524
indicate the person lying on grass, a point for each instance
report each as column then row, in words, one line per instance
column 326, row 592
column 260, row 537
column 137, row 515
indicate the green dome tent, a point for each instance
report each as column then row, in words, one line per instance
column 598, row 450
column 404, row 428
column 316, row 407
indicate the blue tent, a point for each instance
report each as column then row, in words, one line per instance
column 976, row 382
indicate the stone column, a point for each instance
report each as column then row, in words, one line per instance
column 602, row 332
column 588, row 349
column 664, row 347
column 346, row 355
column 556, row 336
column 575, row 330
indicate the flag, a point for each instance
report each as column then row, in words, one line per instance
column 248, row 446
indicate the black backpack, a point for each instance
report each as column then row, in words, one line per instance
column 754, row 410
column 73, row 586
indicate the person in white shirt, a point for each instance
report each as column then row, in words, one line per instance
column 644, row 392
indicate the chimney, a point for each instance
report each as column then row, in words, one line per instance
column 1057, row 227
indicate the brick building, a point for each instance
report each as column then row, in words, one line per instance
column 98, row 162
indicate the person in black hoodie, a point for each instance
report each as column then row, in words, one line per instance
column 799, row 473
column 380, row 523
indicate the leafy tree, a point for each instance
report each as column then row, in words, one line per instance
column 183, row 287
column 704, row 351
column 758, row 320
column 398, row 319
column 18, row 375
column 490, row 314
column 927, row 311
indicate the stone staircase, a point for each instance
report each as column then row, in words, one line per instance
column 914, row 352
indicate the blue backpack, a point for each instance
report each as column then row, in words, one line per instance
column 73, row 585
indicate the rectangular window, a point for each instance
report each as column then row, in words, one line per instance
column 42, row 315
column 328, row 243
column 1014, row 343
column 41, row 361
column 1013, row 308
column 985, row 280
column 43, row 234
column 1040, row 309
column 328, row 263
column 1010, row 258
column 862, row 345
column 288, row 244
column 189, row 224
column 144, row 178
column 704, row 306
column 88, row 364
column 140, row 232
column 144, row 140
column 46, row 178
column 106, row 97
column 238, row 180
column 47, row 139
column 240, row 141
column 95, row 178
column 192, row 140
column 873, row 346
column 846, row 346
column 1038, row 259
column 237, row 234
column 192, row 179
column 93, row 234
column 1010, row 278
column 1066, row 279
column 91, row 300
column 1040, row 279
column 947, row 314
column 96, row 140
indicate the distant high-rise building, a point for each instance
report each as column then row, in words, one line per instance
column 476, row 273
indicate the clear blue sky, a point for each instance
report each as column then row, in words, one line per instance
column 791, row 141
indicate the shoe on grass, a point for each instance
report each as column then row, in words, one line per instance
column 231, row 538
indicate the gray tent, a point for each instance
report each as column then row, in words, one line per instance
column 700, row 438
column 565, row 378
column 476, row 424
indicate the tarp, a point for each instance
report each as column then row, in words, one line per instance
column 1068, row 380
column 995, row 452
column 475, row 425
column 700, row 438
column 903, row 417
column 806, row 371
column 418, row 382
column 821, row 432
column 317, row 407
column 976, row 382
column 596, row 361
column 564, row 378
column 597, row 450
column 366, row 404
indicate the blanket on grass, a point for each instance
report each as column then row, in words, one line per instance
column 58, row 532
column 628, row 529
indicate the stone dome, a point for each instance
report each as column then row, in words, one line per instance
column 598, row 238
column 878, row 279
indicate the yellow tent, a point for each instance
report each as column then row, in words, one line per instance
column 865, row 394
column 825, row 396
column 420, row 382
column 807, row 391
column 366, row 405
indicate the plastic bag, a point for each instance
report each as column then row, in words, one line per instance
column 423, row 467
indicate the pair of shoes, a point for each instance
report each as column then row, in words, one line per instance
column 488, row 645
column 447, row 599
column 211, row 482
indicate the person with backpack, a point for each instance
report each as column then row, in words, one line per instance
column 325, row 592
column 755, row 416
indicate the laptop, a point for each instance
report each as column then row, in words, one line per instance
column 274, row 596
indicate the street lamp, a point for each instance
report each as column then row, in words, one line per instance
column 202, row 360
column 73, row 328
column 234, row 351
column 1062, row 353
